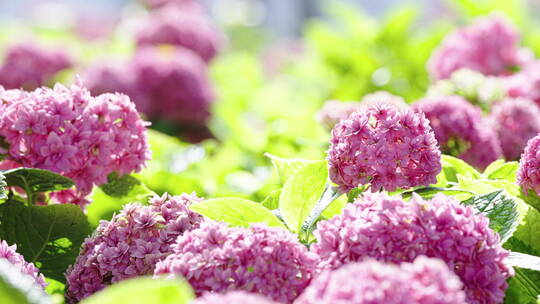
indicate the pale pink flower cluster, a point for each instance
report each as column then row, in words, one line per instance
column 29, row 66
column 516, row 122
column 130, row 244
column 68, row 131
column 460, row 129
column 385, row 147
column 490, row 46
column 9, row 253
column 424, row 281
column 173, row 25
column 265, row 260
column 525, row 83
column 390, row 229
column 528, row 175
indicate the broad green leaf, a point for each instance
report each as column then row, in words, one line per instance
column 524, row 287
column 454, row 167
column 502, row 170
column 144, row 290
column 34, row 180
column 236, row 212
column 301, row 192
column 126, row 186
column 271, row 202
column 287, row 167
column 429, row 192
column 501, row 209
column 49, row 236
column 532, row 199
column 19, row 288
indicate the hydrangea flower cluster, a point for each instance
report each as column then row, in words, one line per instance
column 333, row 111
column 175, row 26
column 9, row 253
column 528, row 174
column 526, row 83
column 516, row 122
column 489, row 46
column 461, row 130
column 260, row 259
column 425, row 281
column 29, row 66
column 185, row 4
column 130, row 244
column 68, row 131
column 174, row 85
column 391, row 230
column 232, row 297
column 384, row 146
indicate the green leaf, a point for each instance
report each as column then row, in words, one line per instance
column 525, row 285
column 301, row 192
column 532, row 199
column 144, row 290
column 236, row 212
column 454, row 167
column 501, row 209
column 49, row 236
column 429, row 192
column 287, row 167
column 523, row 260
column 271, row 202
column 502, row 170
column 34, row 180
column 19, row 288
column 126, row 186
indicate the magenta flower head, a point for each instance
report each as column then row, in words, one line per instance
column 9, row 253
column 461, row 130
column 68, row 131
column 175, row 26
column 385, row 147
column 490, row 46
column 232, row 297
column 528, row 175
column 526, row 83
column 184, row 4
column 174, row 83
column 516, row 122
column 389, row 229
column 265, row 260
column 30, row 66
column 425, row 281
column 130, row 244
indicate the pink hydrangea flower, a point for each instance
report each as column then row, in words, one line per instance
column 461, row 130
column 175, row 26
column 516, row 122
column 130, row 244
column 232, row 297
column 385, row 147
column 184, row 4
column 425, row 281
column 528, row 175
column 389, row 229
column 29, row 66
column 260, row 259
column 526, row 83
column 490, row 46
column 174, row 85
column 68, row 131
column 9, row 253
